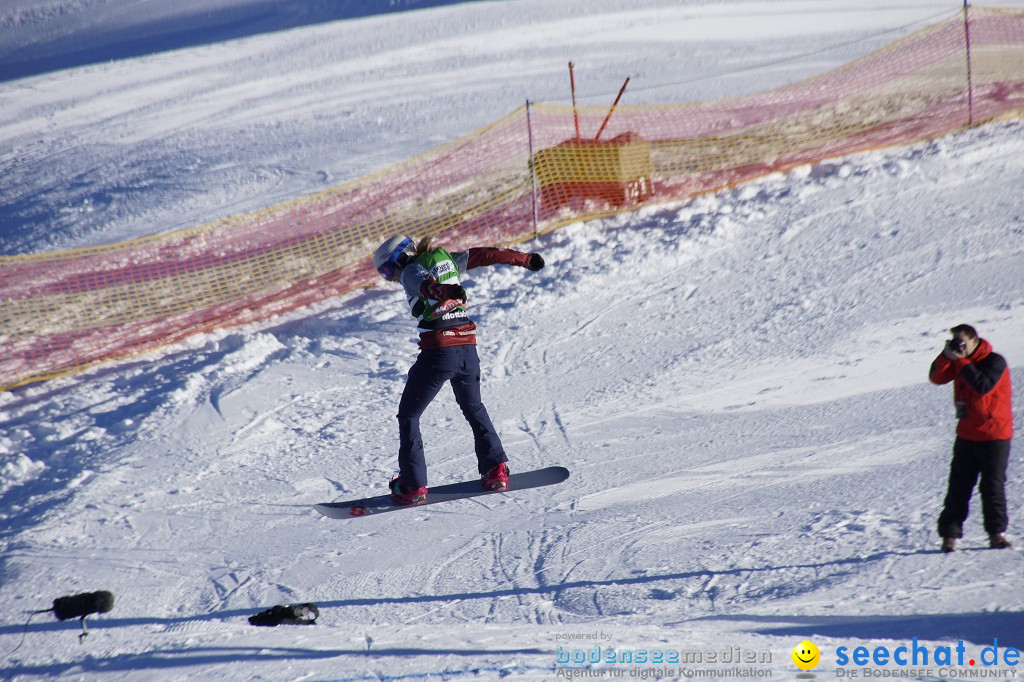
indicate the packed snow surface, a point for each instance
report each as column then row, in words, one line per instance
column 738, row 383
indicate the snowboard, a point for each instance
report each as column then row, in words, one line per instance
column 368, row 506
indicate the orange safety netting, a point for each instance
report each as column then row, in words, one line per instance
column 519, row 177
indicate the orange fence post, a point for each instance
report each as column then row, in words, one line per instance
column 612, row 110
column 970, row 79
column 575, row 113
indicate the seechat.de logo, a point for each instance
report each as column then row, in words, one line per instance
column 806, row 655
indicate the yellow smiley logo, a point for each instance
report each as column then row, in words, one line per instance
column 806, row 655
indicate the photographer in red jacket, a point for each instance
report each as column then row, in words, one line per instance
column 984, row 411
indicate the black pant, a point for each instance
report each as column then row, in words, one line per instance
column 971, row 459
column 459, row 366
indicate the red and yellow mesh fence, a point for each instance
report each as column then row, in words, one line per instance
column 519, row 177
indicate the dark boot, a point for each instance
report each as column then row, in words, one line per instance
column 998, row 541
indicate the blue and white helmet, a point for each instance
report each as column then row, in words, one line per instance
column 388, row 256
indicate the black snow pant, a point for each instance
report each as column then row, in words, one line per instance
column 459, row 366
column 971, row 459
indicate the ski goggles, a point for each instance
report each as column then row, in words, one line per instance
column 388, row 267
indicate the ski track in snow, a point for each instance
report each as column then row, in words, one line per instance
column 737, row 383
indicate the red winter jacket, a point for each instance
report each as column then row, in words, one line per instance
column 465, row 334
column 981, row 391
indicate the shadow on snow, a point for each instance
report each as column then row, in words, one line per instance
column 105, row 40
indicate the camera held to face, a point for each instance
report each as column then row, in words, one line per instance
column 957, row 345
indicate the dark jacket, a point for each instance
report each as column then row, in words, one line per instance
column 981, row 393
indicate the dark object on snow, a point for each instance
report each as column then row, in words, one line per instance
column 75, row 606
column 82, row 605
column 283, row 614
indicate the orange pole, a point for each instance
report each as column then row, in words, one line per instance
column 612, row 110
column 575, row 114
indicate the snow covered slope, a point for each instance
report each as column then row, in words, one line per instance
column 737, row 383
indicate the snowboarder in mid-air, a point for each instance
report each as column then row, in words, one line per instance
column 431, row 279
